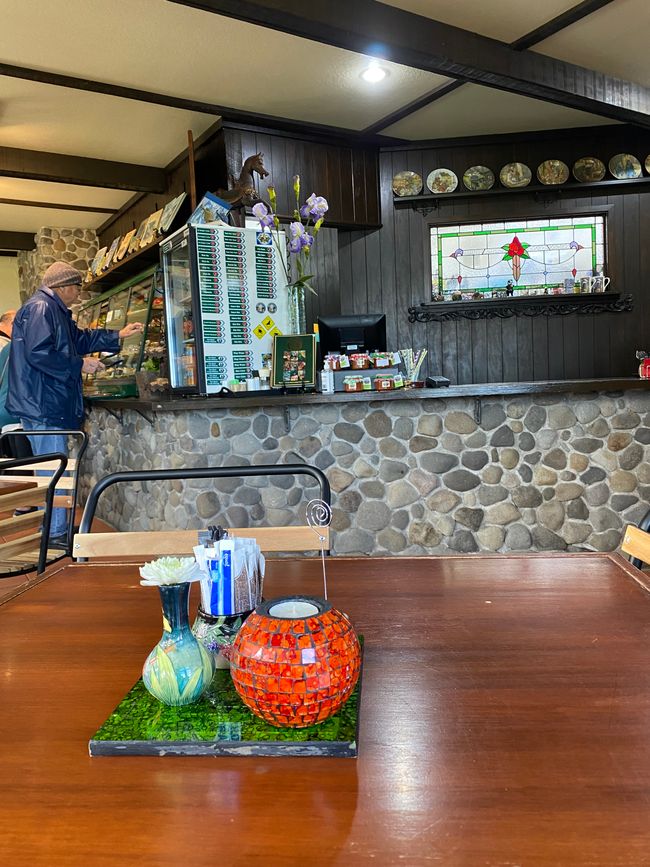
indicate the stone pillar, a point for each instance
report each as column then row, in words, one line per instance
column 77, row 247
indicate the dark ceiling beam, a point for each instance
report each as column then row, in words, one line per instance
column 226, row 112
column 560, row 22
column 17, row 241
column 57, row 206
column 65, row 169
column 374, row 28
column 412, row 107
column 555, row 25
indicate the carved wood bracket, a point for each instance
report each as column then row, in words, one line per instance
column 540, row 305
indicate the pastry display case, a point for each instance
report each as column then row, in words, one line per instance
column 137, row 300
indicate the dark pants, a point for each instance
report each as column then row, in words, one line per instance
column 16, row 446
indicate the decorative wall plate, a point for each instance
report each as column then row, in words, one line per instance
column 515, row 175
column 407, row 184
column 478, row 178
column 553, row 172
column 647, row 164
column 442, row 181
column 588, row 169
column 624, row 166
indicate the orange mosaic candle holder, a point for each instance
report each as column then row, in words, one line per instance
column 295, row 661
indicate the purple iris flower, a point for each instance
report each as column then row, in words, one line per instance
column 263, row 215
column 294, row 245
column 306, row 240
column 317, row 206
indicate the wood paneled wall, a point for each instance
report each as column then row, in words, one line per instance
column 347, row 176
column 389, row 269
column 210, row 169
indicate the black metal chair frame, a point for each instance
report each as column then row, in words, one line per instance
column 21, row 463
column 79, row 434
column 199, row 473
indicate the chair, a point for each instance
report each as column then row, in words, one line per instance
column 636, row 542
column 21, row 552
column 70, row 480
column 181, row 542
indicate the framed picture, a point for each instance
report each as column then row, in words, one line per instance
column 124, row 246
column 294, row 361
column 135, row 240
column 112, row 250
column 151, row 229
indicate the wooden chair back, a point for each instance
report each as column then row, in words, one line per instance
column 147, row 545
column 23, row 545
column 636, row 544
column 66, row 494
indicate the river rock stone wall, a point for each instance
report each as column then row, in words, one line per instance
column 419, row 476
column 77, row 247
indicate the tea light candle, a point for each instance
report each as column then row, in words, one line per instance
column 293, row 608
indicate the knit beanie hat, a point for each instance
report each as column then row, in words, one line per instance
column 60, row 274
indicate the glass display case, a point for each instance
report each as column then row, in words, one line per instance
column 138, row 300
column 224, row 303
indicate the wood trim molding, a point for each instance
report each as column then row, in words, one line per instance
column 537, row 305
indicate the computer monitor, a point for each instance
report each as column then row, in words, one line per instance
column 362, row 332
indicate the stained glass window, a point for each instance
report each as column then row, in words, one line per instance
column 535, row 256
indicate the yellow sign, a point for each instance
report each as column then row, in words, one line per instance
column 268, row 323
column 260, row 331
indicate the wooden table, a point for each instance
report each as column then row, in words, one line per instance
column 505, row 720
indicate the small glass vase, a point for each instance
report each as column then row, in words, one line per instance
column 179, row 669
column 297, row 316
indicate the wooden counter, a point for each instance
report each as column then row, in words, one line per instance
column 478, row 391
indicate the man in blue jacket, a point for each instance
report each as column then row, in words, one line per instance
column 46, row 362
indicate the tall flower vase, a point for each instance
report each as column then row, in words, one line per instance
column 297, row 317
column 179, row 668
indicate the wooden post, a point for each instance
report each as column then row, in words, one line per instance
column 190, row 162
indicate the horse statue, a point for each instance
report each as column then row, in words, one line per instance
column 243, row 192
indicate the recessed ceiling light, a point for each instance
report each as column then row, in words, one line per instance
column 374, row 73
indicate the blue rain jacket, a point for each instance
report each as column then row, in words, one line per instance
column 46, row 359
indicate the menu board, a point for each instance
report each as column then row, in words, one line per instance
column 243, row 300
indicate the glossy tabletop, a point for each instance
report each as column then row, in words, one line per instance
column 505, row 720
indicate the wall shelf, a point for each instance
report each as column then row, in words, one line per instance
column 425, row 203
column 523, row 305
column 127, row 267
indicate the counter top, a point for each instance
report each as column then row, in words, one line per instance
column 474, row 390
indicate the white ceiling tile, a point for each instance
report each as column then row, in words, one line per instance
column 62, row 194
column 42, row 117
column 160, row 46
column 613, row 40
column 473, row 110
column 16, row 219
column 505, row 20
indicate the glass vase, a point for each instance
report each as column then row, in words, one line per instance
column 179, row 668
column 297, row 317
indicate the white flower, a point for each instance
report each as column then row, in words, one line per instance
column 170, row 570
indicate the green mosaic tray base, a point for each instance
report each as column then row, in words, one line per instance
column 219, row 724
